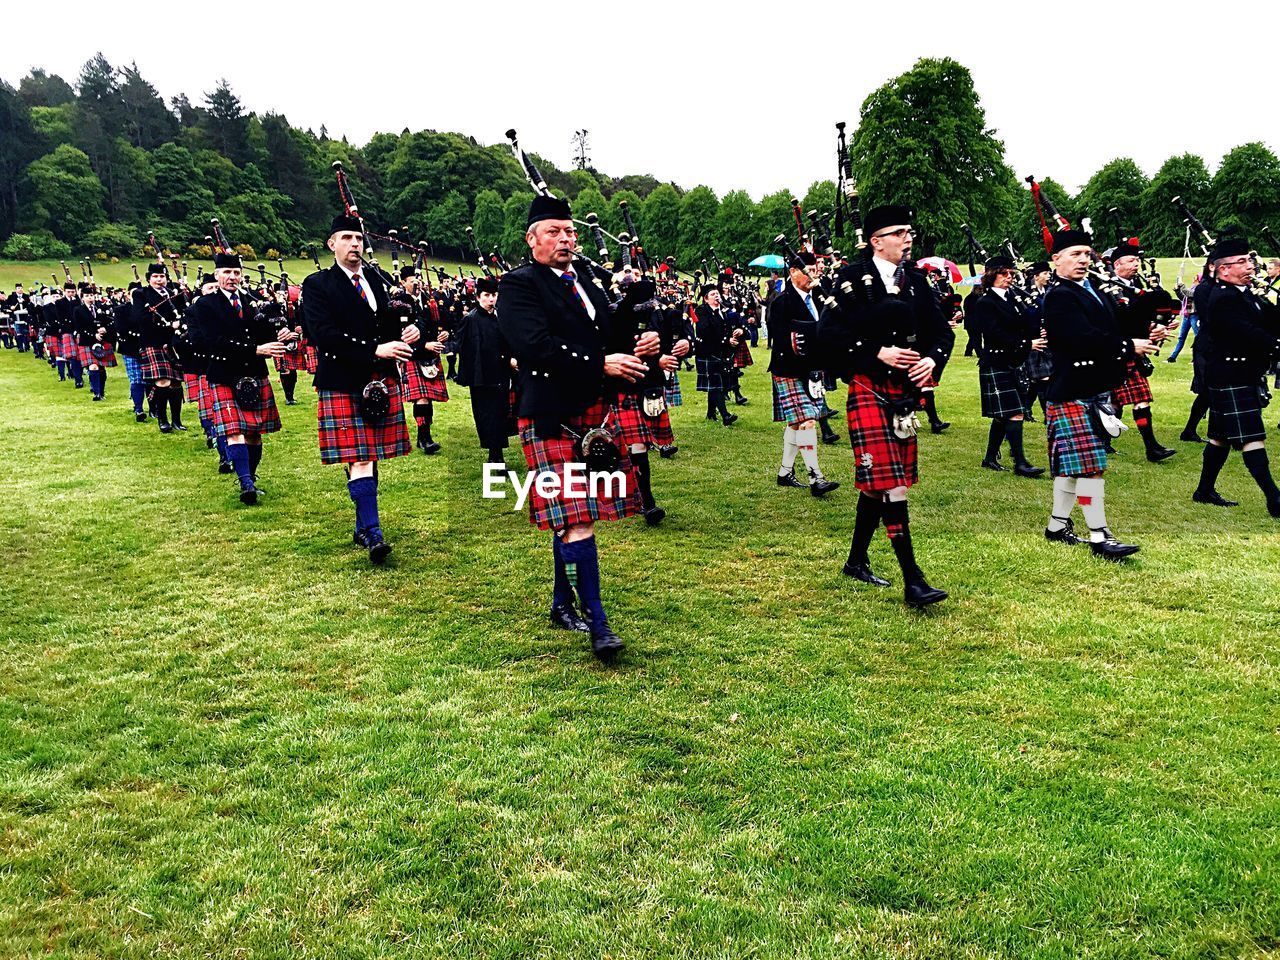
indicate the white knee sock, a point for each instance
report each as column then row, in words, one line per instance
column 788, row 451
column 807, row 442
column 1064, row 501
column 1089, row 493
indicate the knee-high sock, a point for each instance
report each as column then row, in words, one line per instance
column 724, row 407
column 175, row 404
column 897, row 525
column 995, row 437
column 1089, row 494
column 641, row 460
column 866, row 521
column 255, row 457
column 807, row 444
column 1142, row 419
column 789, row 451
column 1064, row 501
column 452, row 359
column 238, row 454
column 562, row 592
column 62, row 369
column 207, row 426
column 1259, row 467
column 1215, row 458
column 582, row 567
column 496, row 455
column 420, row 416
column 220, row 443
column 1199, row 407
column 364, row 494
column 1013, row 432
column 160, row 397
column 289, row 381
column 931, row 407
column 76, row 369
column 713, row 408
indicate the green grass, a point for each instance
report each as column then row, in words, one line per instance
column 223, row 735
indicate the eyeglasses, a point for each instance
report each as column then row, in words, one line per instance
column 1233, row 263
column 899, row 233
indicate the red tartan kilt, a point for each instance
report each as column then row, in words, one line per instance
column 551, row 455
column 195, row 387
column 67, row 347
column 742, row 355
column 881, row 461
column 295, row 361
column 156, row 363
column 51, row 345
column 204, row 403
column 229, row 418
column 628, row 414
column 1075, row 449
column 1135, row 389
column 345, row 436
column 419, row 387
column 85, row 356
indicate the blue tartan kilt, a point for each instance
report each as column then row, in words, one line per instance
column 1075, row 449
column 1004, row 393
column 1235, row 414
column 710, row 373
column 671, row 390
column 792, row 403
column 133, row 369
column 1039, row 365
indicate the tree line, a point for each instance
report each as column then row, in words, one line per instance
column 90, row 167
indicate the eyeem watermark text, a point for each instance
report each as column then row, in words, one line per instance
column 577, row 483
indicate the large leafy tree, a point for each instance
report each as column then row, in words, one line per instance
column 489, row 220
column 40, row 89
column 1117, row 187
column 225, row 123
column 661, row 222
column 696, row 230
column 923, row 140
column 1163, row 230
column 66, row 195
column 148, row 122
column 1245, row 193
column 17, row 149
column 734, row 227
column 773, row 216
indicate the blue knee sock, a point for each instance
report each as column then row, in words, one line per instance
column 136, row 392
column 207, row 426
column 255, row 457
column 220, row 444
column 582, row 567
column 238, row 454
column 77, row 371
column 364, row 494
column 62, row 369
column 562, row 595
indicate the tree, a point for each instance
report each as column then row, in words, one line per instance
column 488, row 221
column 1118, row 185
column 773, row 216
column 1026, row 232
column 697, row 224
column 734, row 227
column 148, row 121
column 66, row 196
column 1163, row 231
column 180, row 190
column 17, row 149
column 661, row 222
column 226, row 124
column 40, row 89
column 1245, row 193
column 922, row 140
column 515, row 214
column 591, row 200
column 446, row 223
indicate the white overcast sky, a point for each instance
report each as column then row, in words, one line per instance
column 737, row 95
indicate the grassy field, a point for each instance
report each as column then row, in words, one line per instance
column 223, row 735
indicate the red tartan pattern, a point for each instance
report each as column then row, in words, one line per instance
column 301, row 360
column 346, row 437
column 229, row 418
column 195, row 385
column 418, row 387
column 742, row 355
column 1135, row 389
column 67, row 347
column 881, row 461
column 157, row 363
column 1075, row 449
column 628, row 414
column 551, row 455
column 205, row 402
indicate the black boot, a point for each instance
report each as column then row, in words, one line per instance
column 653, row 514
column 1155, row 452
column 865, row 523
column 1013, row 432
column 936, row 423
column 175, row 407
column 916, row 590
column 828, row 435
column 289, row 381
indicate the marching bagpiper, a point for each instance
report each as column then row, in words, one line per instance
column 360, row 412
column 155, row 316
column 717, row 339
column 887, row 338
column 422, row 376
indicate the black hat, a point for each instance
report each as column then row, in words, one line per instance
column 83, row 286
column 999, row 262
column 709, row 288
column 1040, row 266
column 725, row 277
column 69, row 285
column 886, row 215
column 1126, row 249
column 226, row 261
column 487, row 285
column 802, row 259
column 1071, row 238
column 1229, row 247
column 407, row 271
column 207, row 278
column 134, row 285
column 343, row 223
column 548, row 208
column 154, row 268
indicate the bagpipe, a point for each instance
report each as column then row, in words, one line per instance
column 352, row 209
column 481, row 262
column 846, row 199
column 1045, row 208
column 633, row 237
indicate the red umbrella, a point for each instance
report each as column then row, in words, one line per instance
column 944, row 265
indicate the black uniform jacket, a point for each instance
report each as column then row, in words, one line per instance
column 227, row 343
column 560, row 350
column 154, row 328
column 861, row 317
column 788, row 315
column 345, row 331
column 1006, row 331
column 1089, row 349
column 483, row 357
column 1239, row 336
column 713, row 331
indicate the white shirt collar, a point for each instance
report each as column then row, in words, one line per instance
column 352, row 273
column 886, row 269
column 1001, row 292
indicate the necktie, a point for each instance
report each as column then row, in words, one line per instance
column 355, row 278
column 808, row 302
column 235, row 302
column 571, row 280
column 899, row 274
column 1088, row 286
